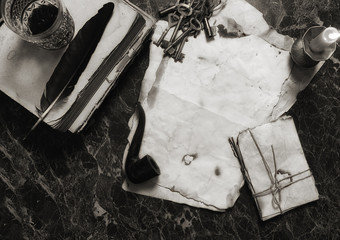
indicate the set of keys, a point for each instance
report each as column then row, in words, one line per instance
column 188, row 17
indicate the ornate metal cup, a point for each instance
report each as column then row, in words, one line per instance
column 46, row 23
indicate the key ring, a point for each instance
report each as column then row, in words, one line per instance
column 184, row 9
column 195, row 24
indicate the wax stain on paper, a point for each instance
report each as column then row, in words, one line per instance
column 231, row 29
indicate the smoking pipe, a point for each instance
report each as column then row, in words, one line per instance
column 139, row 170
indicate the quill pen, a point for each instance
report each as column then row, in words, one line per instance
column 74, row 61
column 76, row 57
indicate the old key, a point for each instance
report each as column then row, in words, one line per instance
column 178, row 54
column 170, row 9
column 206, row 25
column 184, row 10
column 195, row 25
column 172, row 21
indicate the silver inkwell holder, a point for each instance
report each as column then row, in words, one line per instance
column 303, row 55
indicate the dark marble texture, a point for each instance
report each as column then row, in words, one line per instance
column 66, row 186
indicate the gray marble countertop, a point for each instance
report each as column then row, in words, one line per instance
column 68, row 186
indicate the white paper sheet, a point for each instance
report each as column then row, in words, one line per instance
column 222, row 87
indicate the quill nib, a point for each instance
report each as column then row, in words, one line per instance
column 32, row 128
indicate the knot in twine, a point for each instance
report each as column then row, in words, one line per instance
column 276, row 186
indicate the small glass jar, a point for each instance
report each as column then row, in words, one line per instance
column 46, row 23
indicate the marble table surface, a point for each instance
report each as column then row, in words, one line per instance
column 68, row 186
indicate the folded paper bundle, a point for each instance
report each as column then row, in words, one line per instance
column 26, row 69
column 275, row 167
column 223, row 86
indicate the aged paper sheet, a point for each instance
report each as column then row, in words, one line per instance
column 222, row 87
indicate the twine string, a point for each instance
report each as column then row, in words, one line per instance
column 276, row 186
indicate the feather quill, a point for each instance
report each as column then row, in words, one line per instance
column 75, row 58
column 73, row 62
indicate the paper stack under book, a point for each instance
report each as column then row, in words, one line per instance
column 26, row 68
